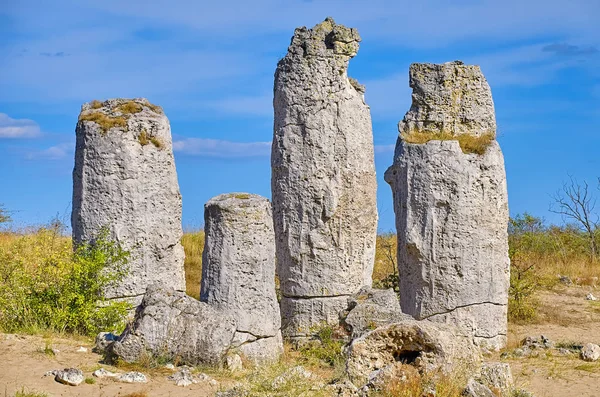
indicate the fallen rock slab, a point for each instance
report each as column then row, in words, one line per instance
column 170, row 324
column 102, row 373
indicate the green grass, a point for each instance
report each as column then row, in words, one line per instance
column 470, row 144
column 23, row 393
column 90, row 381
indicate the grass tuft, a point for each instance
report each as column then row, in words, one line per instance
column 156, row 142
column 143, row 138
column 96, row 104
column 90, row 381
column 23, row 393
column 129, row 107
column 105, row 122
column 469, row 144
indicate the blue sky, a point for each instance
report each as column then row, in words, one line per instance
column 211, row 64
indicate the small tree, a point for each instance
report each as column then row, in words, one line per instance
column 575, row 201
column 4, row 217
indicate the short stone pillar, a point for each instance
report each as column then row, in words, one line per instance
column 451, row 204
column 125, row 179
column 238, row 271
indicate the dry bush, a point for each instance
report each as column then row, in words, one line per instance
column 436, row 384
column 468, row 143
column 193, row 245
column 385, row 271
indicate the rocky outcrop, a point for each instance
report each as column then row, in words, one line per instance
column 323, row 178
column 452, row 207
column 422, row 344
column 172, row 325
column 372, row 308
column 238, row 271
column 125, row 179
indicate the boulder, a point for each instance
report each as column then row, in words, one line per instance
column 103, row 340
column 371, row 308
column 172, row 325
column 590, row 352
column 125, row 180
column 132, row 377
column 422, row 344
column 238, row 271
column 323, row 178
column 477, row 389
column 452, row 207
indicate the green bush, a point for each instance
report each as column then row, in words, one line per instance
column 45, row 285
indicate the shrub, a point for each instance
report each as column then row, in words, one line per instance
column 4, row 216
column 326, row 348
column 45, row 285
column 385, row 271
column 468, row 143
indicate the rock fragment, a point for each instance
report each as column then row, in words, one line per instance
column 183, row 377
column 125, row 179
column 68, row 376
column 238, row 271
column 102, row 373
column 451, row 206
column 323, row 178
column 132, row 377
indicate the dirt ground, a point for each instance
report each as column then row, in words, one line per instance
column 565, row 317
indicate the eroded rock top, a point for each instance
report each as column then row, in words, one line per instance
column 234, row 202
column 449, row 98
column 326, row 39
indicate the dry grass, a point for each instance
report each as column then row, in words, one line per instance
column 156, row 142
column 430, row 384
column 136, row 394
column 193, row 245
column 468, row 143
column 143, row 138
column 105, row 122
column 95, row 104
column 130, row 107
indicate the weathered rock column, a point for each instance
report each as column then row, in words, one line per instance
column 323, row 178
column 451, row 206
column 238, row 271
column 125, row 179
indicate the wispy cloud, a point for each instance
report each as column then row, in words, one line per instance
column 56, row 152
column 59, row 54
column 567, row 49
column 220, row 148
column 18, row 128
column 384, row 148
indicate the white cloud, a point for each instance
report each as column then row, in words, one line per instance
column 384, row 148
column 18, row 128
column 56, row 152
column 219, row 148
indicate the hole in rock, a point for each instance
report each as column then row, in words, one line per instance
column 406, row 356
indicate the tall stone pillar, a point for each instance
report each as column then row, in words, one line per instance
column 450, row 199
column 323, row 178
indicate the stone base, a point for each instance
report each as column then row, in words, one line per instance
column 301, row 317
column 263, row 350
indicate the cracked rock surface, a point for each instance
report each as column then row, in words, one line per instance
column 323, row 178
column 170, row 324
column 452, row 213
column 125, row 179
column 238, row 271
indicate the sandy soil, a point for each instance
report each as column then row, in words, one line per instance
column 565, row 316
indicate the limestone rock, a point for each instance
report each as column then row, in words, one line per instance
column 323, row 177
column 171, row 324
column 125, row 179
column 422, row 344
column 102, row 373
column 183, row 377
column 497, row 376
column 590, row 352
column 477, row 389
column 132, row 377
column 233, row 362
column 371, row 308
column 450, row 97
column 452, row 207
column 238, row 270
column 69, row 376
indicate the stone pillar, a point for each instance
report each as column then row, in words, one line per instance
column 323, row 178
column 125, row 179
column 238, row 271
column 451, row 204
